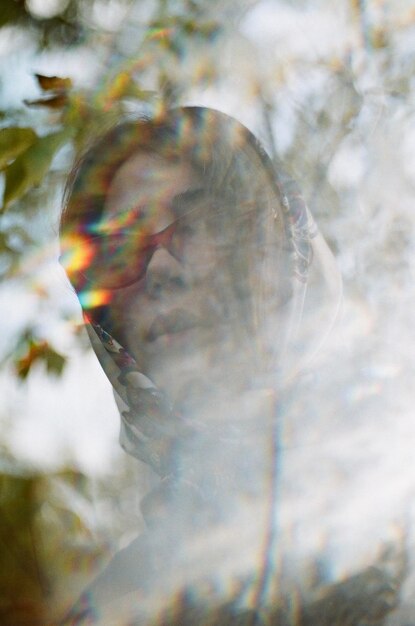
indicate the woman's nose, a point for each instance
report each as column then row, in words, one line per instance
column 164, row 273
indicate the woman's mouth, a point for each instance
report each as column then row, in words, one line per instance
column 173, row 323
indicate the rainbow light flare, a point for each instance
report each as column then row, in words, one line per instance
column 77, row 253
column 92, row 298
column 126, row 218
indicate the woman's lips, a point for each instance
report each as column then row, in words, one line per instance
column 172, row 323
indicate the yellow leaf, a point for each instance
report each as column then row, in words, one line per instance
column 53, row 83
column 119, row 86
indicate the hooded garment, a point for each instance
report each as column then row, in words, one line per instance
column 149, row 423
column 215, row 460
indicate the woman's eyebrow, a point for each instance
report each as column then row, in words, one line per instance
column 181, row 203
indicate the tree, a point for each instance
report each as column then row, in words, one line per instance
column 338, row 110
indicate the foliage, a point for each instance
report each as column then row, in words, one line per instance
column 332, row 103
column 34, row 351
column 44, row 537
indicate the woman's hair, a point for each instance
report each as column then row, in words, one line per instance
column 228, row 157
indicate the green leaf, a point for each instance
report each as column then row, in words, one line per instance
column 11, row 11
column 55, row 362
column 35, row 352
column 14, row 141
column 16, row 181
column 30, row 168
column 5, row 248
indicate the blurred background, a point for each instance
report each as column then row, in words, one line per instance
column 328, row 87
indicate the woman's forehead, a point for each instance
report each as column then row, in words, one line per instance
column 147, row 179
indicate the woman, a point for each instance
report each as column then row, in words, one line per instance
column 198, row 269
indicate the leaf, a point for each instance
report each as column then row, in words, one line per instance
column 24, row 364
column 55, row 362
column 30, row 168
column 53, row 83
column 11, row 11
column 57, row 101
column 119, row 86
column 5, row 248
column 124, row 86
column 379, row 38
column 17, row 181
column 14, row 141
column 40, row 351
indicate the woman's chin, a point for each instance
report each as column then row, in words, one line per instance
column 195, row 390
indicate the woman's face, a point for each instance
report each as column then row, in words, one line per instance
column 175, row 319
